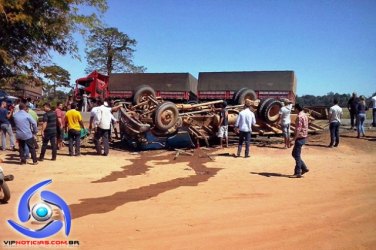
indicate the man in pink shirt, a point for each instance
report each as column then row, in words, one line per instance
column 301, row 133
column 60, row 115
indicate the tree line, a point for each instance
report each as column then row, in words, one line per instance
column 327, row 100
column 31, row 30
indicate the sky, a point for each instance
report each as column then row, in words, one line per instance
column 331, row 45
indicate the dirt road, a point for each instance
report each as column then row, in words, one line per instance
column 150, row 201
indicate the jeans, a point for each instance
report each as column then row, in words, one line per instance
column 74, row 136
column 30, row 144
column 296, row 153
column 244, row 136
column 334, row 133
column 7, row 128
column 52, row 139
column 360, row 123
column 374, row 117
column 102, row 133
column 353, row 118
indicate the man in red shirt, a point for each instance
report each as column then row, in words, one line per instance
column 301, row 133
column 60, row 115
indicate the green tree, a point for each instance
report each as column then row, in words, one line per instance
column 30, row 29
column 110, row 50
column 56, row 76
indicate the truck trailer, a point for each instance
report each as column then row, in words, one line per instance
column 177, row 87
column 234, row 87
column 238, row 86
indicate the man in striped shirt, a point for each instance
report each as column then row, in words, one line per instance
column 49, row 132
column 301, row 133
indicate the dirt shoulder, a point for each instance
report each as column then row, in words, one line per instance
column 151, row 201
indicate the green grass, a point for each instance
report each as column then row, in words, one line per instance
column 346, row 114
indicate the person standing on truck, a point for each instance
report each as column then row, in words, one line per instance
column 301, row 133
column 73, row 125
column 223, row 125
column 49, row 131
column 246, row 119
column 335, row 114
column 285, row 113
column 351, row 106
column 84, row 102
column 103, row 125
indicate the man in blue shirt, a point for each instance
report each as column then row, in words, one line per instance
column 6, row 127
column 25, row 128
column 246, row 119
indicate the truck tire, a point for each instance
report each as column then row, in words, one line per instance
column 271, row 111
column 236, row 95
column 166, row 116
column 246, row 94
column 262, row 105
column 4, row 193
column 142, row 92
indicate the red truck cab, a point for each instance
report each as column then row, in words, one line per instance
column 95, row 85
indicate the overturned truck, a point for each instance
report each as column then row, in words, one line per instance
column 154, row 123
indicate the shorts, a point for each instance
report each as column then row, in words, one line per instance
column 223, row 131
column 60, row 134
column 285, row 130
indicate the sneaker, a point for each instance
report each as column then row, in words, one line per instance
column 23, row 162
column 296, row 176
column 53, row 159
column 305, row 171
column 34, row 163
column 247, row 156
column 40, row 159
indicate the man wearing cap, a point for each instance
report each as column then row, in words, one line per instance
column 335, row 114
column 223, row 125
column 246, row 119
column 286, row 121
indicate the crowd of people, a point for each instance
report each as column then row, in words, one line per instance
column 246, row 120
column 58, row 124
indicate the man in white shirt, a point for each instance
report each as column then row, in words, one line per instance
column 285, row 113
column 246, row 119
column 373, row 105
column 102, row 122
column 335, row 114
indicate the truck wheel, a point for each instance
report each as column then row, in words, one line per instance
column 262, row 105
column 246, row 94
column 166, row 116
column 141, row 93
column 4, row 193
column 236, row 95
column 271, row 111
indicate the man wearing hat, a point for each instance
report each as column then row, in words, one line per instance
column 223, row 125
column 246, row 119
column 286, row 121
